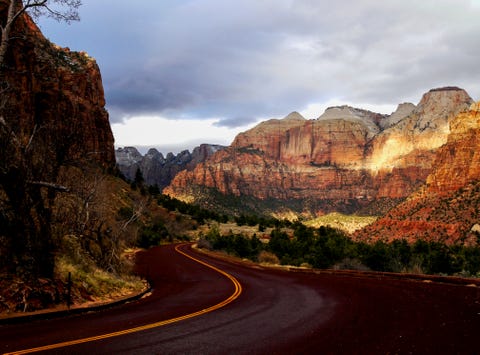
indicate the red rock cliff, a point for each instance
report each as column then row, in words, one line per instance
column 52, row 88
column 457, row 163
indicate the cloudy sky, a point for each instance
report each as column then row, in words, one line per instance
column 178, row 73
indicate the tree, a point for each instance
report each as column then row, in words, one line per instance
column 60, row 10
column 139, row 180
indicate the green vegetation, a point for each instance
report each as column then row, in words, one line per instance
column 197, row 213
column 327, row 247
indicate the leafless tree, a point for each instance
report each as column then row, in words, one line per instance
column 60, row 10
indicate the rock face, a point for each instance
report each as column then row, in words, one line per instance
column 446, row 208
column 457, row 163
column 53, row 88
column 347, row 160
column 157, row 169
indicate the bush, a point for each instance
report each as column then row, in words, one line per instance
column 266, row 257
column 153, row 235
column 204, row 243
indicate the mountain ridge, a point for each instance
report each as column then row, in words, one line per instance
column 347, row 164
column 157, row 169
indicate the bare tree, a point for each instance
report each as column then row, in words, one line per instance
column 60, row 10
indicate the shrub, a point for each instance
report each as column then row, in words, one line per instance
column 204, row 243
column 153, row 235
column 266, row 257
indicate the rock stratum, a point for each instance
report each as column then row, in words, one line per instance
column 348, row 160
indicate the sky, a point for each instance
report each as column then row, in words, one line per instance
column 178, row 73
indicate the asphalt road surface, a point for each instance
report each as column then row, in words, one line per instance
column 234, row 308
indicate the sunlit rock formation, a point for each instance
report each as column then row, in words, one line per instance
column 446, row 208
column 348, row 160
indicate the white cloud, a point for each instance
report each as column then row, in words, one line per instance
column 171, row 135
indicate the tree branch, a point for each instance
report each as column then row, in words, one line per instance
column 49, row 185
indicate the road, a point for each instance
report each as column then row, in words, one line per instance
column 246, row 309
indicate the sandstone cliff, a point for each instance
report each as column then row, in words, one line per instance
column 347, row 160
column 157, row 169
column 55, row 89
column 446, row 208
column 457, row 163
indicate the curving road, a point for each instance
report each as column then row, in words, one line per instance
column 236, row 308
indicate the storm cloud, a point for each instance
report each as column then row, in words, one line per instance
column 237, row 61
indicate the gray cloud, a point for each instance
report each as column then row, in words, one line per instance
column 242, row 60
column 235, row 122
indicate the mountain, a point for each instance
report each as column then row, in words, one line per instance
column 446, row 208
column 157, row 169
column 348, row 160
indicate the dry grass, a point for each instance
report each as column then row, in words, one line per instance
column 95, row 283
column 347, row 223
column 265, row 257
column 231, row 227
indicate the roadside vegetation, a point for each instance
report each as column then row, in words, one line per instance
column 327, row 247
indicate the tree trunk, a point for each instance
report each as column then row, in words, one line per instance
column 15, row 9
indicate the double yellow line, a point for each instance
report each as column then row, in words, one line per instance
column 233, row 296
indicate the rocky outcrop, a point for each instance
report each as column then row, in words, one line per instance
column 446, row 208
column 48, row 88
column 347, row 160
column 157, row 169
column 425, row 129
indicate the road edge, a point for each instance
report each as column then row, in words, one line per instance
column 452, row 280
column 50, row 314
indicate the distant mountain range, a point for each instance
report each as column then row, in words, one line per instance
column 157, row 169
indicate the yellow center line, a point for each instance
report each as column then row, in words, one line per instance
column 233, row 296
